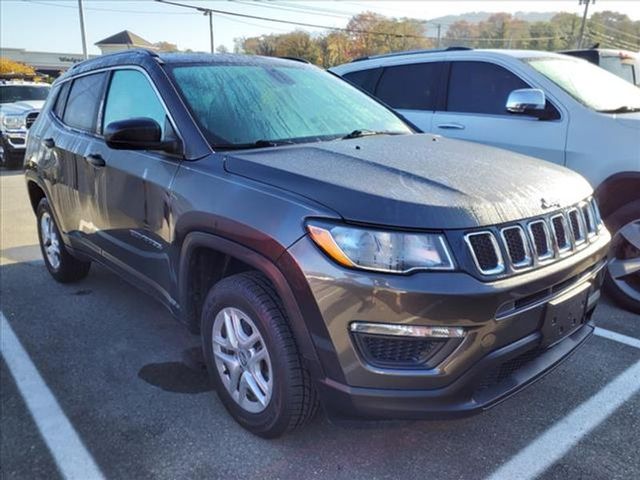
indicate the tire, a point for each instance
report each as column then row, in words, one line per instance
column 289, row 399
column 62, row 266
column 11, row 159
column 625, row 291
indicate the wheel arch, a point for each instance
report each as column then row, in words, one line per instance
column 616, row 191
column 36, row 193
column 227, row 258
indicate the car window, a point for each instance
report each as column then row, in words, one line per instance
column 21, row 93
column 480, row 87
column 618, row 66
column 365, row 79
column 238, row 105
column 412, row 87
column 132, row 96
column 592, row 86
column 61, row 100
column 84, row 101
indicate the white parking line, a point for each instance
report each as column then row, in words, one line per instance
column 552, row 445
column 66, row 447
column 618, row 337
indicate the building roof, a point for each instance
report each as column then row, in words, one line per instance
column 125, row 38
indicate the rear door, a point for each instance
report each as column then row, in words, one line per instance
column 132, row 188
column 414, row 90
column 70, row 139
column 475, row 110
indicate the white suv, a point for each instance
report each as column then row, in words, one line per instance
column 20, row 104
column 551, row 106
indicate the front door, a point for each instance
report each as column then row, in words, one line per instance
column 132, row 188
column 475, row 111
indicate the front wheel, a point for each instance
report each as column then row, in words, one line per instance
column 62, row 266
column 252, row 357
column 622, row 280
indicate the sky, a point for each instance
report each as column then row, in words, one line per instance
column 53, row 25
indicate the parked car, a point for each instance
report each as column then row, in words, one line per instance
column 20, row 103
column 622, row 63
column 542, row 104
column 320, row 247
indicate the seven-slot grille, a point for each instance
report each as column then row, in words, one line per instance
column 536, row 241
column 31, row 118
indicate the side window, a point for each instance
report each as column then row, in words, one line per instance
column 61, row 100
column 414, row 87
column 131, row 96
column 365, row 79
column 84, row 101
column 480, row 87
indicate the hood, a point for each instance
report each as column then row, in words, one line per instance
column 414, row 181
column 22, row 107
column 631, row 120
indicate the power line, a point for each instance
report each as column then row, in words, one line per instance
column 592, row 23
column 305, row 10
column 98, row 9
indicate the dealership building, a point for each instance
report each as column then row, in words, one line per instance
column 54, row 63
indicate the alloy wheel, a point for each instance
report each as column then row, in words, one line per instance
column 624, row 263
column 50, row 240
column 242, row 359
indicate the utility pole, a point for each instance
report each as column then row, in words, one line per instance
column 584, row 19
column 83, row 33
column 439, row 36
column 209, row 13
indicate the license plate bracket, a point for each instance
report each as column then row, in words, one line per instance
column 564, row 315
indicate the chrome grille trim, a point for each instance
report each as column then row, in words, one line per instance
column 596, row 213
column 499, row 268
column 526, row 261
column 576, row 224
column 589, row 219
column 545, row 228
column 559, row 232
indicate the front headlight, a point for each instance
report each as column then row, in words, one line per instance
column 13, row 121
column 382, row 251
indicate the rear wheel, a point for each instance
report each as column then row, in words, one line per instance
column 61, row 264
column 252, row 357
column 622, row 280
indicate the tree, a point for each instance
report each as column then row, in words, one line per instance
column 612, row 29
column 461, row 33
column 10, row 68
column 566, row 26
column 222, row 49
column 166, row 47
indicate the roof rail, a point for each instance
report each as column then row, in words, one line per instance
column 295, row 59
column 412, row 52
column 145, row 51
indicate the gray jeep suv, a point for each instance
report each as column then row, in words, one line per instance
column 325, row 253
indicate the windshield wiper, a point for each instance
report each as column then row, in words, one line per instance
column 622, row 109
column 368, row 133
column 256, row 144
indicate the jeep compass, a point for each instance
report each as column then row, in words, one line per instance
column 326, row 253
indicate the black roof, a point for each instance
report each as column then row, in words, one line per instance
column 140, row 56
column 412, row 52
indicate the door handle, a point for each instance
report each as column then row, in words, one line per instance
column 96, row 160
column 49, row 143
column 451, row 126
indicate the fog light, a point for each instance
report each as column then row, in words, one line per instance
column 406, row 330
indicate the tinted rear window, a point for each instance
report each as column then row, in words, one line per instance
column 412, row 87
column 84, row 100
column 480, row 87
column 61, row 100
column 365, row 79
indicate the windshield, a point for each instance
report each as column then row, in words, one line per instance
column 20, row 93
column 239, row 105
column 591, row 85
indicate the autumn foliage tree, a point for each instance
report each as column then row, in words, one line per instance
column 10, row 69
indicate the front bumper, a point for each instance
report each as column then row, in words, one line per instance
column 15, row 140
column 469, row 379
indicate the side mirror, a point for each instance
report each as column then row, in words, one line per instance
column 137, row 134
column 528, row 101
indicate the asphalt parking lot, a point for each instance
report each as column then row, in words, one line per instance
column 133, row 402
